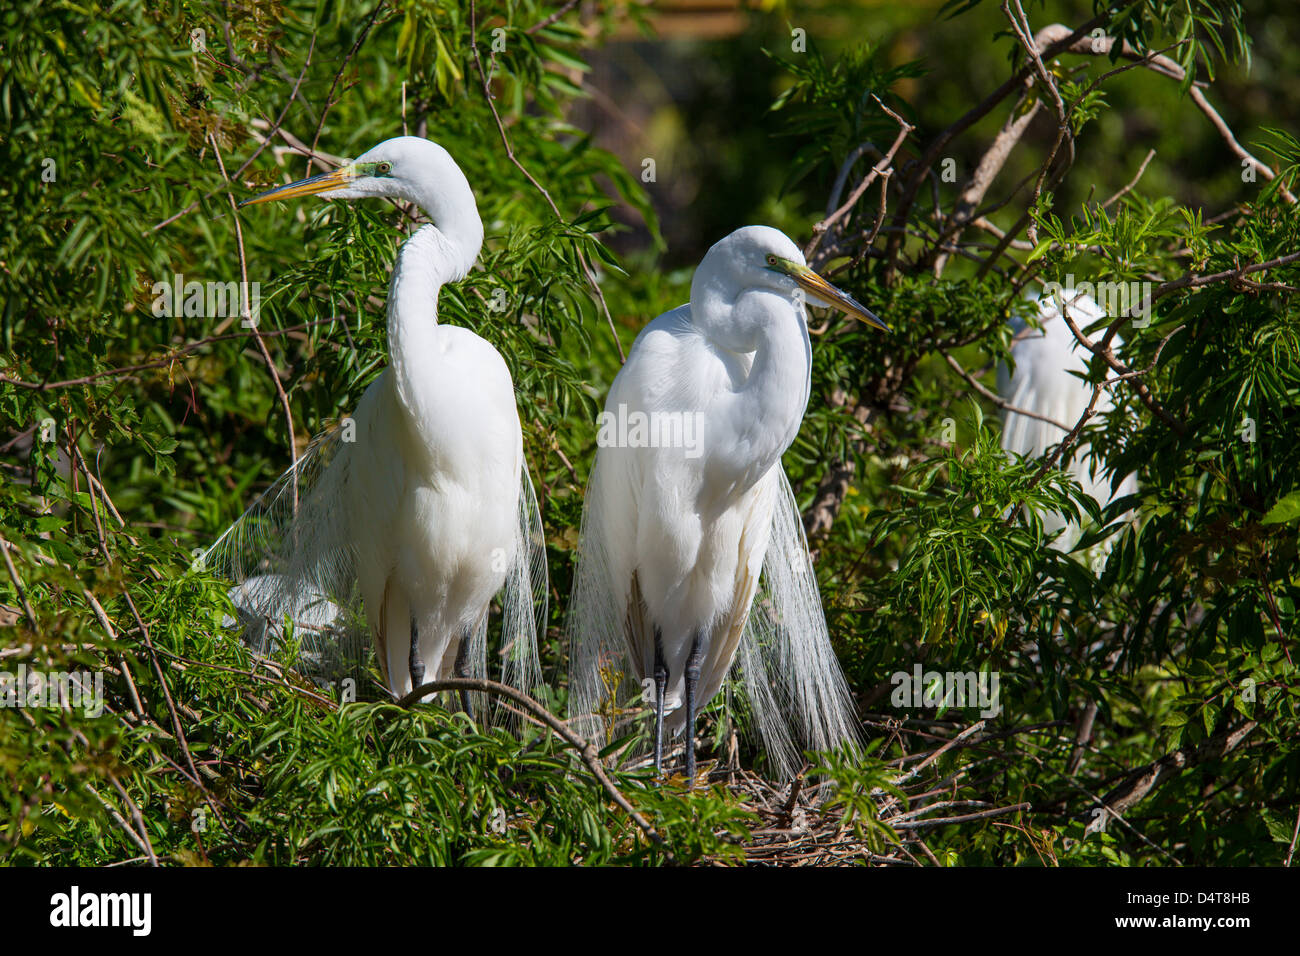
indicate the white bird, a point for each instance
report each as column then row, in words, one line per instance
column 689, row 516
column 314, row 612
column 421, row 506
column 1042, row 382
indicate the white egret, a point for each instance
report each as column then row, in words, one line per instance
column 689, row 515
column 421, row 507
column 1042, row 382
column 312, row 612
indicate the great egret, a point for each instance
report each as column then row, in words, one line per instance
column 312, row 613
column 1042, row 382
column 689, row 515
column 421, row 506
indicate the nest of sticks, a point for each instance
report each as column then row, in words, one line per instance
column 801, row 825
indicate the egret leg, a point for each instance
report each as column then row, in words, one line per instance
column 461, row 669
column 661, row 682
column 693, row 663
column 414, row 664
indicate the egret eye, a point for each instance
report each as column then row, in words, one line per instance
column 384, row 168
column 771, row 260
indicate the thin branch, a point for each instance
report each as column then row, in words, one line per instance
column 996, row 399
column 543, row 24
column 293, row 94
column 941, row 821
column 1196, row 281
column 1141, row 782
column 510, row 154
column 18, row 584
column 1295, row 835
column 167, row 693
column 959, row 739
column 1241, row 152
column 1047, row 49
column 886, row 162
column 252, row 324
column 139, row 839
column 329, row 98
column 137, row 817
column 1132, row 182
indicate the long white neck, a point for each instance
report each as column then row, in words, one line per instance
column 760, row 417
column 443, row 251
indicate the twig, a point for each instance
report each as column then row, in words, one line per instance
column 1142, row 781
column 1241, row 152
column 252, row 324
column 886, row 162
column 1107, row 354
column 1290, row 853
column 543, row 24
column 329, row 97
column 167, row 693
column 1196, row 281
column 787, row 811
column 972, row 729
column 18, row 584
column 510, row 154
column 107, row 625
column 281, row 683
column 137, row 817
column 139, row 839
column 293, row 94
column 1132, row 182
column 941, row 821
column 998, row 399
column 1047, row 48
column 1020, row 24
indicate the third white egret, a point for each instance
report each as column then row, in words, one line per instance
column 689, row 515
column 1042, row 382
column 421, row 506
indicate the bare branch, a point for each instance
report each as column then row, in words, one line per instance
column 1132, row 182
column 251, row 323
column 1139, row 784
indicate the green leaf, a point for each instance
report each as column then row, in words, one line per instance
column 1286, row 510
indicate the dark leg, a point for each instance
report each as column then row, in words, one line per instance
column 661, row 682
column 462, row 670
column 414, row 663
column 693, row 663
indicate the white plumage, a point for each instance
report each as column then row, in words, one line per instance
column 678, row 540
column 420, row 509
column 1042, row 382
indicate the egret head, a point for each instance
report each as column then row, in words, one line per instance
column 399, row 168
column 407, row 168
column 760, row 259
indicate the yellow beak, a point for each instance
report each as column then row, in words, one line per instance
column 334, row 179
column 818, row 287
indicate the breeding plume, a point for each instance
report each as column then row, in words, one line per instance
column 689, row 516
column 419, row 509
column 1042, row 382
